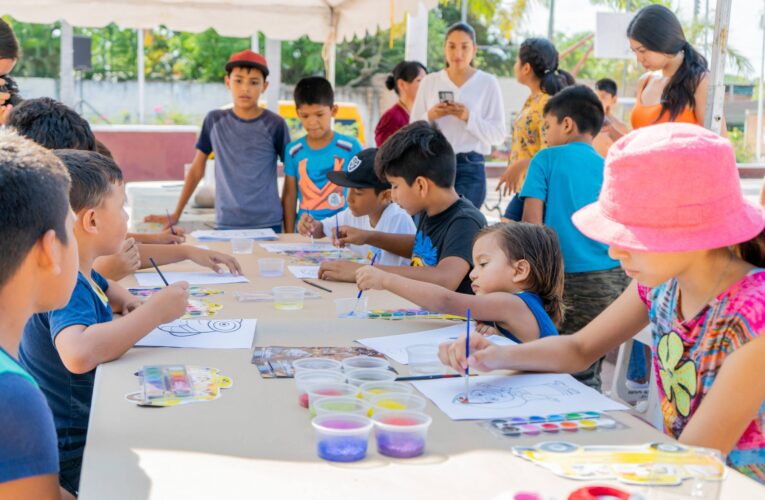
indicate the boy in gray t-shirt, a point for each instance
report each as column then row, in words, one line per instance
column 247, row 141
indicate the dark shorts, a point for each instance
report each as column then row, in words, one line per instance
column 586, row 295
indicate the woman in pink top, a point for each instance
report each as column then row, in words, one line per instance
column 404, row 80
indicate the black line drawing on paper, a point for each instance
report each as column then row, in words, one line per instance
column 514, row 397
column 188, row 329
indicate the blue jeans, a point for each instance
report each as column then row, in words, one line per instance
column 637, row 369
column 471, row 177
column 69, row 474
column 514, row 210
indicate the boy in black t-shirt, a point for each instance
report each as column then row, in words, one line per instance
column 420, row 165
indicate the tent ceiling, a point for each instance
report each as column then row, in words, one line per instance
column 277, row 19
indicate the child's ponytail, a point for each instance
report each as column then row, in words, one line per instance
column 538, row 245
column 540, row 54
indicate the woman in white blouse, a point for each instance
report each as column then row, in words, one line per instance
column 466, row 103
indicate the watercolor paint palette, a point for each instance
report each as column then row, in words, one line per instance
column 173, row 385
column 558, row 423
column 398, row 314
column 198, row 306
column 276, row 361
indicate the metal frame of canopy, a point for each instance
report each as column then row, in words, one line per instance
column 337, row 20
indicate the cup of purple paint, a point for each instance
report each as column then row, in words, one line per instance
column 401, row 433
column 341, row 437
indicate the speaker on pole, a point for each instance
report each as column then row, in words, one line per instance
column 82, row 53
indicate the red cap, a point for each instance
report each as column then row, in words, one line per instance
column 247, row 59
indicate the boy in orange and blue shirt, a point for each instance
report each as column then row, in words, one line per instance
column 308, row 160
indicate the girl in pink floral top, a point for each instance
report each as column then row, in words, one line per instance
column 672, row 212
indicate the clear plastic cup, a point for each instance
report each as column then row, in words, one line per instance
column 341, row 404
column 362, row 375
column 392, row 401
column 356, row 362
column 271, row 268
column 351, row 308
column 323, row 390
column 341, row 437
column 307, row 364
column 305, row 379
column 288, row 298
column 371, row 389
column 241, row 245
column 423, row 360
column 401, row 434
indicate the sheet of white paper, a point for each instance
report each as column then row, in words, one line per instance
column 302, row 272
column 298, row 247
column 202, row 334
column 203, row 247
column 394, row 346
column 153, row 279
column 501, row 396
column 230, row 234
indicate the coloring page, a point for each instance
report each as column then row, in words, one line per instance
column 202, row 334
column 302, row 272
column 500, row 396
column 153, row 279
column 230, row 234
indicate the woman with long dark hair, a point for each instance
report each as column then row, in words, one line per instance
column 466, row 103
column 9, row 55
column 404, row 80
column 537, row 68
column 676, row 85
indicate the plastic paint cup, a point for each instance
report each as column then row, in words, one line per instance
column 341, row 437
column 288, row 298
column 341, row 404
column 241, row 245
column 588, row 425
column 392, row 401
column 369, row 390
column 423, row 360
column 530, row 429
column 362, row 375
column 606, row 423
column 270, row 268
column 357, row 362
column 569, row 426
column 550, row 427
column 307, row 364
column 303, row 380
column 323, row 390
column 401, row 434
column 351, row 308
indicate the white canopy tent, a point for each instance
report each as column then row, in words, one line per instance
column 326, row 21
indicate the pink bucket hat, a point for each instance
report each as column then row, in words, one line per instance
column 672, row 187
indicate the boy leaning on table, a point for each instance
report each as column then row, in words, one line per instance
column 247, row 141
column 37, row 272
column 63, row 347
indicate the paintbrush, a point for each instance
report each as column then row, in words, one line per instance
column 467, row 355
column 156, row 268
column 358, row 296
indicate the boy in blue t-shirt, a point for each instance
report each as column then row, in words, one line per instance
column 62, row 348
column 247, row 141
column 563, row 178
column 308, row 160
column 37, row 272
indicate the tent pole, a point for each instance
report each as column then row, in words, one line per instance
column 416, row 45
column 759, row 91
column 141, row 78
column 713, row 117
column 551, row 21
column 67, row 64
column 254, row 43
column 274, row 58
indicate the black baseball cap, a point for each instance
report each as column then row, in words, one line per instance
column 360, row 173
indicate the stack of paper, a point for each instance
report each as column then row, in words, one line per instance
column 231, row 234
column 153, row 279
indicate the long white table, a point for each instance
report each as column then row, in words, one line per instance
column 256, row 441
